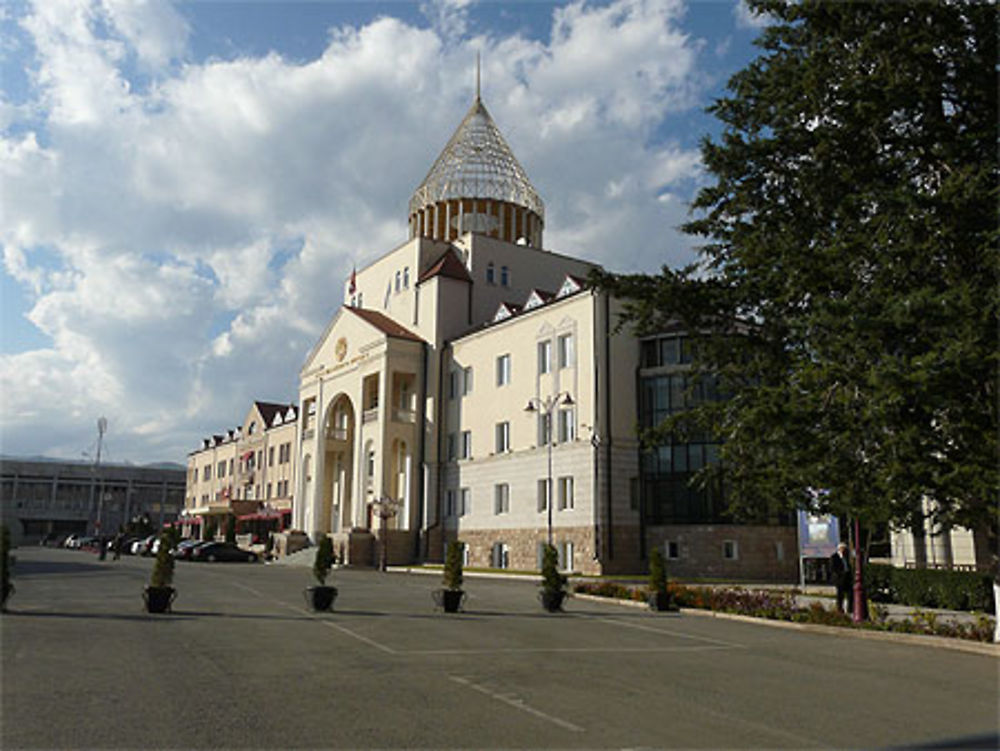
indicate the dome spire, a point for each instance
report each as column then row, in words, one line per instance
column 477, row 185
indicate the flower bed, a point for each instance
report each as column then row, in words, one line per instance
column 777, row 605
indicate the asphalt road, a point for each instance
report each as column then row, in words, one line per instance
column 241, row 663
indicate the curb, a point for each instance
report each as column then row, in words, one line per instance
column 926, row 640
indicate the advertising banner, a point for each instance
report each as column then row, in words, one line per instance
column 818, row 535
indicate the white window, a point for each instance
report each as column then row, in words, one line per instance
column 500, row 555
column 466, row 445
column 544, row 357
column 489, row 273
column 361, row 302
column 730, row 550
column 565, row 493
column 503, row 437
column 544, row 493
column 565, row 553
column 544, row 425
column 449, row 503
column 504, row 277
column 406, row 277
column 464, row 501
column 779, row 550
column 501, row 498
column 465, row 556
column 398, row 281
column 467, row 380
column 567, row 356
column 503, row 370
column 567, row 429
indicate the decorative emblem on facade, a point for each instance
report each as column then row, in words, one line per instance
column 340, row 349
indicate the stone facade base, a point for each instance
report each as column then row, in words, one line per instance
column 756, row 553
column 354, row 548
column 522, row 551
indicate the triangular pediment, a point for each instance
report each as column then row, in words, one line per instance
column 349, row 332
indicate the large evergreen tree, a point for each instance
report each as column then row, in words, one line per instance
column 846, row 295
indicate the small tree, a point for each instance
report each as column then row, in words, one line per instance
column 552, row 580
column 324, row 560
column 211, row 527
column 163, row 567
column 452, row 578
column 657, row 573
column 231, row 529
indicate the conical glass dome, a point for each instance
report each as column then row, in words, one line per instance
column 477, row 184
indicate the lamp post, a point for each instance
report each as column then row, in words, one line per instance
column 385, row 508
column 547, row 407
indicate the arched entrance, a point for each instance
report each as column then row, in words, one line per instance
column 338, row 431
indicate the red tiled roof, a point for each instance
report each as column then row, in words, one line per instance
column 447, row 265
column 384, row 324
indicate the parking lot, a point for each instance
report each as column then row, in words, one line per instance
column 242, row 663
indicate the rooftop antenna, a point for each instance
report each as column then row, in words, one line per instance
column 477, row 76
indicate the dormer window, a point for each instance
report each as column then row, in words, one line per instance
column 252, row 429
column 569, row 286
column 490, row 273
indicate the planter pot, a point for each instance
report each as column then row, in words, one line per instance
column 321, row 598
column 662, row 602
column 552, row 600
column 449, row 600
column 159, row 599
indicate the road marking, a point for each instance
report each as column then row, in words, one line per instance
column 331, row 624
column 516, row 704
column 641, row 627
column 560, row 650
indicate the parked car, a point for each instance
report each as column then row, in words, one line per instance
column 72, row 541
column 222, row 551
column 186, row 547
column 143, row 545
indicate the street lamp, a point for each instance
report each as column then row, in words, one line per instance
column 546, row 407
column 385, row 508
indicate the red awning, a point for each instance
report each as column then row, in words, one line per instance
column 245, row 455
column 259, row 515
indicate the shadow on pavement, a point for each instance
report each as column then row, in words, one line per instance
column 94, row 616
column 44, row 568
column 987, row 740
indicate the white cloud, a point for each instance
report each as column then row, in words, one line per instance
column 185, row 241
column 748, row 19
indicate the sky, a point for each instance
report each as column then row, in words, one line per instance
column 185, row 186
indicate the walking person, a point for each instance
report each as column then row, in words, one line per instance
column 842, row 577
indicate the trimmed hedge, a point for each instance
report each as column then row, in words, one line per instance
column 929, row 588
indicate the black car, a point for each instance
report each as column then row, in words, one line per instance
column 222, row 551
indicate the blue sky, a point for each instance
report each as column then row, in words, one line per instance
column 185, row 186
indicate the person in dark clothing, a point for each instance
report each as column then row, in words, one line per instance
column 840, row 573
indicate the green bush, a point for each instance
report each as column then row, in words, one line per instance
column 231, row 530
column 929, row 588
column 324, row 560
column 552, row 580
column 452, row 576
column 163, row 567
column 657, row 572
column 5, row 557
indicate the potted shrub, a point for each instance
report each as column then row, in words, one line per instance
column 321, row 597
column 159, row 595
column 660, row 598
column 5, row 566
column 451, row 597
column 553, row 583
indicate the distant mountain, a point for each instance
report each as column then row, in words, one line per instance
column 50, row 459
